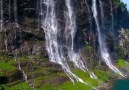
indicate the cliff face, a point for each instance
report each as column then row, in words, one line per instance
column 28, row 40
column 86, row 31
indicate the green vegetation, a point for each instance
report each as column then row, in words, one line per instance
column 4, row 87
column 89, row 48
column 102, row 75
column 48, row 76
column 86, row 77
column 66, row 86
column 120, row 3
column 21, row 86
column 121, row 63
column 6, row 66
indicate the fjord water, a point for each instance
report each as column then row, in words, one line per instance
column 102, row 46
column 121, row 84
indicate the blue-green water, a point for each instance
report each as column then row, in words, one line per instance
column 121, row 85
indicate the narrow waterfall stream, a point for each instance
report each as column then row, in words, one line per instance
column 24, row 75
column 71, row 25
column 1, row 15
column 16, row 51
column 102, row 46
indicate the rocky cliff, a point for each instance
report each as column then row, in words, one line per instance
column 25, row 43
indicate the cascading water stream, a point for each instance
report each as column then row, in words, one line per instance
column 102, row 46
column 50, row 25
column 15, row 14
column 23, row 73
column 71, row 25
column 1, row 15
column 51, row 32
column 16, row 51
column 19, row 64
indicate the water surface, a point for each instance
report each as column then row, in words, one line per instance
column 121, row 84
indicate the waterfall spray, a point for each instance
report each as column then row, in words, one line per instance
column 18, row 61
column 23, row 73
column 50, row 25
column 102, row 46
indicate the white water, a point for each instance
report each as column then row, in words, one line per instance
column 51, row 32
column 19, row 67
column 103, row 49
column 23, row 73
column 71, row 25
column 17, row 27
column 51, row 28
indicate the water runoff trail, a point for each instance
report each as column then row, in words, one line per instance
column 102, row 46
column 71, row 25
column 16, row 28
column 49, row 23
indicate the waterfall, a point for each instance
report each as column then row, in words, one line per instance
column 71, row 25
column 16, row 28
column 102, row 46
column 23, row 73
column 1, row 15
column 50, row 26
column 54, row 48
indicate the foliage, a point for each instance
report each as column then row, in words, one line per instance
column 4, row 87
column 86, row 77
column 120, row 3
column 6, row 66
column 67, row 86
column 21, row 86
column 102, row 75
column 121, row 63
column 88, row 48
